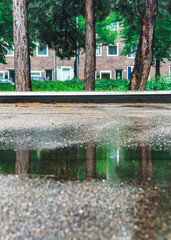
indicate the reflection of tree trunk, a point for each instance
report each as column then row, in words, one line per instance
column 146, row 164
column 90, row 161
column 145, row 209
column 22, row 162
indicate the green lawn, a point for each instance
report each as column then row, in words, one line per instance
column 100, row 85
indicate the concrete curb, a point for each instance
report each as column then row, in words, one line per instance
column 87, row 97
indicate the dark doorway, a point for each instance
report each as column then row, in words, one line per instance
column 12, row 75
column 48, row 74
column 119, row 74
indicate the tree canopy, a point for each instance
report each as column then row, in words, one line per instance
column 131, row 28
column 6, row 26
column 55, row 24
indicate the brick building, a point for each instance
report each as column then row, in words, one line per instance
column 109, row 64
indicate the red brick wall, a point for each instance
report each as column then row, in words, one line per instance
column 103, row 63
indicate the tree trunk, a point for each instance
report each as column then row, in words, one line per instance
column 144, row 54
column 90, row 161
column 21, row 46
column 22, row 162
column 157, row 68
column 90, row 46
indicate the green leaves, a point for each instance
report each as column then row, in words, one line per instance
column 6, row 36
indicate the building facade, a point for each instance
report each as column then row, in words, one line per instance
column 109, row 64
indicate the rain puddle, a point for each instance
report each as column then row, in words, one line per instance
column 140, row 164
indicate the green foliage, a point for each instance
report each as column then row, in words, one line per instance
column 131, row 28
column 100, row 85
column 159, row 84
column 6, row 37
column 105, row 35
column 55, row 24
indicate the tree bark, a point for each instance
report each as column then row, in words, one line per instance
column 90, row 47
column 21, row 46
column 144, row 54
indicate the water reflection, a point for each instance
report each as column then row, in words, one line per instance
column 145, row 158
column 90, row 156
column 90, row 161
column 23, row 159
column 146, row 207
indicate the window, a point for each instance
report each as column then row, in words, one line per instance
column 98, row 50
column 42, row 51
column 10, row 53
column 35, row 74
column 112, row 50
column 105, row 74
column 133, row 53
column 65, row 73
column 1, row 74
column 113, row 26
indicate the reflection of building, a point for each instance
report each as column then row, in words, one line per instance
column 109, row 64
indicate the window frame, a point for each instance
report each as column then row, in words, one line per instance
column 100, row 50
column 115, row 55
column 3, row 74
column 9, row 55
column 132, row 53
column 36, row 72
column 37, row 51
column 105, row 71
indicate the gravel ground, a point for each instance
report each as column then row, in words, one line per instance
column 45, row 209
column 49, row 126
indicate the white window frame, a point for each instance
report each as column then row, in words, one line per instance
column 42, row 55
column 100, row 50
column 131, row 70
column 36, row 72
column 3, row 73
column 169, row 70
column 106, row 71
column 109, row 55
